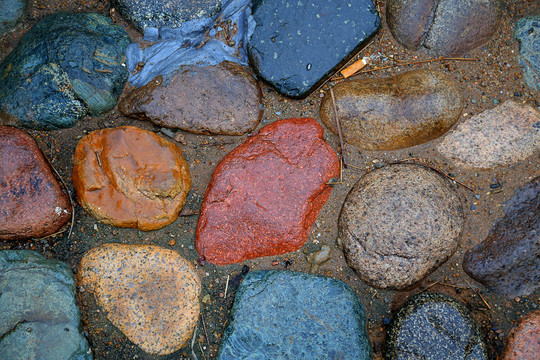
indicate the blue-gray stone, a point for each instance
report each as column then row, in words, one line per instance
column 290, row 315
column 527, row 33
column 66, row 66
column 297, row 45
column 39, row 317
column 11, row 12
column 434, row 327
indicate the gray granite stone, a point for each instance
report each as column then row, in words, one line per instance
column 527, row 34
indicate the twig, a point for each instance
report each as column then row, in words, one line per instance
column 70, row 201
column 419, row 161
column 227, row 285
column 205, row 333
column 435, row 283
column 56, row 233
column 478, row 292
column 202, row 352
column 454, row 286
column 193, row 343
column 342, row 152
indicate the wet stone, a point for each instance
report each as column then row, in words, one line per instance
column 129, row 177
column 508, row 260
column 290, row 315
column 39, row 318
column 524, row 340
column 11, row 12
column 527, row 33
column 395, row 112
column 66, row 66
column 296, row 46
column 265, row 195
column 223, row 99
column 32, row 203
column 434, row 327
column 386, row 227
column 151, row 294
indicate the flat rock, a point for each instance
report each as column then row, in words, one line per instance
column 266, row 194
column 396, row 112
column 524, row 340
column 527, row 33
column 223, row 99
column 11, row 12
column 508, row 260
column 502, row 136
column 296, row 46
column 129, row 177
column 64, row 67
column 32, row 203
column 39, row 318
column 443, row 27
column 151, row 294
column 291, row 315
column 434, row 327
column 398, row 224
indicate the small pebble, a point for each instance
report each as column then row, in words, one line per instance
column 473, row 207
column 494, row 186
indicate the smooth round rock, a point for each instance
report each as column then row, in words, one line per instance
column 11, row 12
column 434, row 327
column 151, row 294
column 223, row 99
column 445, row 27
column 396, row 112
column 265, row 195
column 524, row 340
column 398, row 224
column 296, row 316
column 129, row 177
column 527, row 33
column 32, row 203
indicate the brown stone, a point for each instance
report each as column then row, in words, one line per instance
column 524, row 340
column 266, row 194
column 395, row 112
column 32, row 203
column 130, row 177
column 151, row 294
column 220, row 99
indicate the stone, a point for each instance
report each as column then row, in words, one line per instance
column 171, row 13
column 434, row 327
column 398, row 224
column 223, row 99
column 297, row 46
column 527, row 33
column 32, row 203
column 501, row 136
column 396, row 112
column 64, row 67
column 39, row 318
column 524, row 340
column 265, row 195
column 508, row 260
column 150, row 293
column 443, row 27
column 11, row 13
column 129, row 177
column 292, row 315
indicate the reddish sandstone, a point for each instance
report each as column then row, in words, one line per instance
column 524, row 340
column 265, row 195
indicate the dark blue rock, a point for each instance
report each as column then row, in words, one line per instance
column 39, row 318
column 11, row 12
column 527, row 34
column 434, row 327
column 290, row 315
column 297, row 45
column 65, row 66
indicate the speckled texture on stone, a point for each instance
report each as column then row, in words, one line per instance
column 64, row 67
column 298, row 45
column 39, row 317
column 395, row 112
column 527, row 33
column 295, row 316
column 11, row 12
column 223, row 99
column 508, row 260
column 129, row 177
column 434, row 327
column 398, row 224
column 524, row 340
column 502, row 136
column 151, row 294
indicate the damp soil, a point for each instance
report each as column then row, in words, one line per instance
column 492, row 78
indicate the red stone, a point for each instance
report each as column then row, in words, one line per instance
column 524, row 340
column 266, row 194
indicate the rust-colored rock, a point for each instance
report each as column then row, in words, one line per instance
column 524, row 340
column 32, row 203
column 265, row 195
column 151, row 294
column 130, row 177
column 219, row 99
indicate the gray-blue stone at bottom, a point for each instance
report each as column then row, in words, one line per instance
column 290, row 315
column 527, row 34
column 39, row 318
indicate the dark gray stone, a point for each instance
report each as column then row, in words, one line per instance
column 39, row 317
column 508, row 260
column 289, row 315
column 434, row 327
column 527, row 34
column 297, row 45
column 11, row 12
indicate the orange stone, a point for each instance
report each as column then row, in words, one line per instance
column 524, row 340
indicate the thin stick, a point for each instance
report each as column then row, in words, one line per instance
column 205, row 333
column 419, row 161
column 202, row 352
column 70, row 201
column 355, row 167
column 193, row 343
column 478, row 292
column 227, row 285
column 342, row 152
